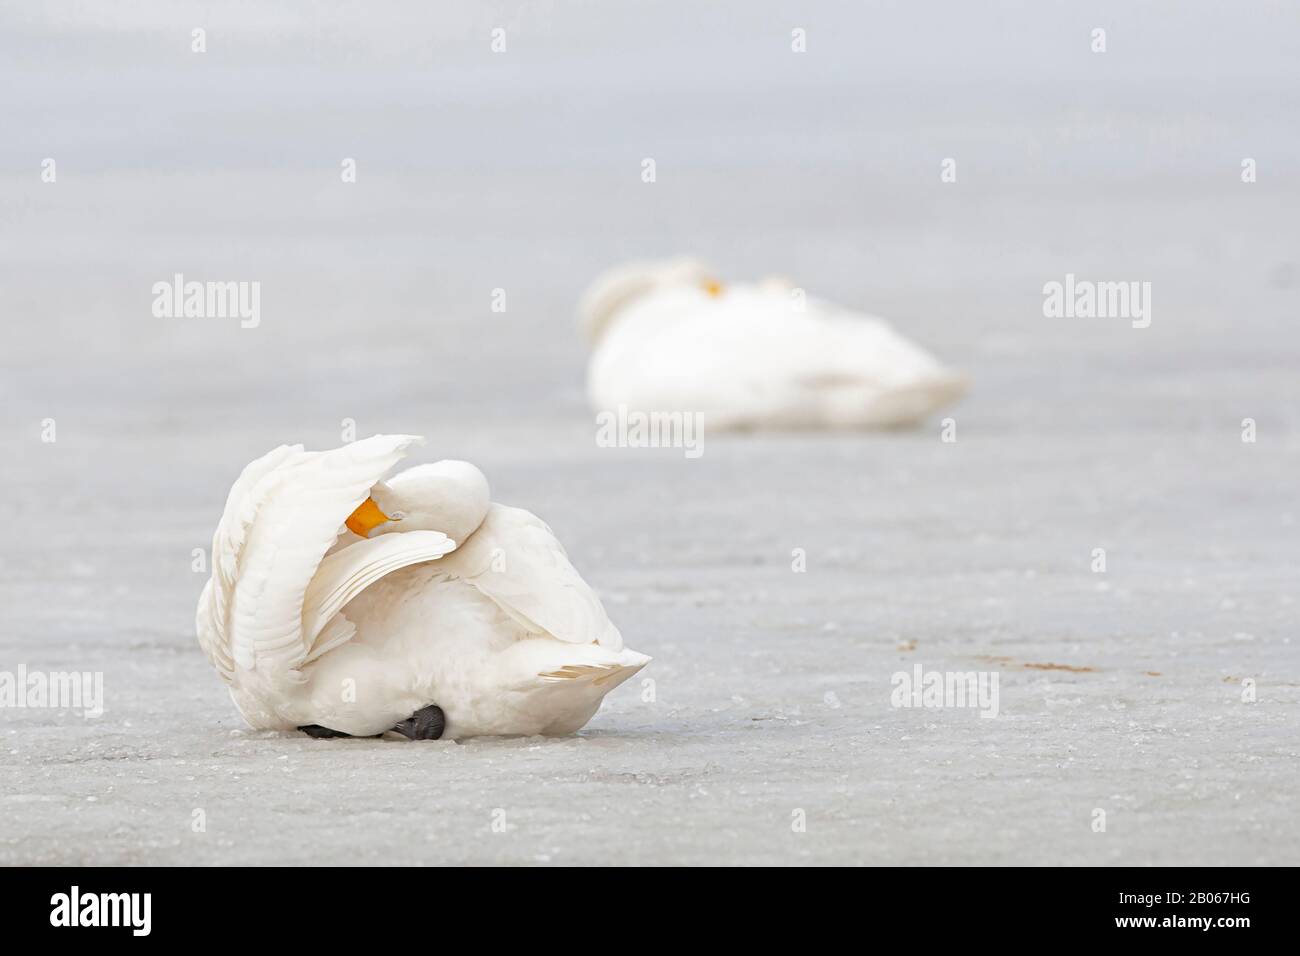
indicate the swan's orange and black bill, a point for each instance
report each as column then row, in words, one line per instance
column 366, row 518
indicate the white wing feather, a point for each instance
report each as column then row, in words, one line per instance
column 345, row 574
column 227, row 544
column 282, row 516
column 516, row 560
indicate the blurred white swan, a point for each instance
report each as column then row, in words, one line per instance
column 342, row 604
column 667, row 336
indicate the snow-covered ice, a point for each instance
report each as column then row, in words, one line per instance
column 1119, row 691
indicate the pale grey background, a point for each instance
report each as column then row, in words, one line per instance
column 521, row 171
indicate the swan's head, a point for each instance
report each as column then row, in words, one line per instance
column 618, row 287
column 447, row 496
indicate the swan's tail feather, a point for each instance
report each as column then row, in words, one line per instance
column 546, row 663
column 595, row 673
column 893, row 406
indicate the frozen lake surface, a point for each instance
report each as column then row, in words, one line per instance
column 771, row 698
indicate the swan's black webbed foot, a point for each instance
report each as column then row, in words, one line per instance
column 427, row 723
column 319, row 732
column 323, row 733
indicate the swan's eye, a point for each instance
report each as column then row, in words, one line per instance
column 397, row 516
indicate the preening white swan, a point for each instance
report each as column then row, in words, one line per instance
column 343, row 604
column 668, row 337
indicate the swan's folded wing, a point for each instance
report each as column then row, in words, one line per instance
column 346, row 573
column 283, row 514
column 515, row 559
column 227, row 545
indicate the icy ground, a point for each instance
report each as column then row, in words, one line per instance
column 1119, row 691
